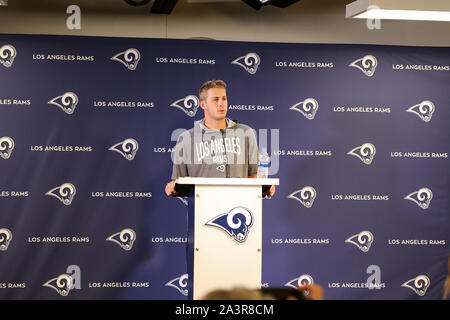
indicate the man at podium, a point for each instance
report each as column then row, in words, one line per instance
column 216, row 146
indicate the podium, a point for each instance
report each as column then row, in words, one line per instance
column 224, row 247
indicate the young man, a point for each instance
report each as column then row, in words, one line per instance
column 216, row 146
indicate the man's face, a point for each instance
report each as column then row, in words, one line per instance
column 215, row 104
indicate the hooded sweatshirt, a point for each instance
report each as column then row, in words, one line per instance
column 228, row 153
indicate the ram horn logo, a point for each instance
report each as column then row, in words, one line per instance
column 421, row 197
column 221, row 168
column 124, row 238
column 418, row 284
column 184, row 200
column 128, row 58
column 63, row 193
column 236, row 223
column 6, row 147
column 67, row 102
column 126, row 148
column 249, row 62
column 362, row 240
column 367, row 65
column 305, row 196
column 423, row 110
column 61, row 284
column 180, row 284
column 188, row 105
column 5, row 238
column 304, row 279
column 307, row 107
column 365, row 152
column 7, row 55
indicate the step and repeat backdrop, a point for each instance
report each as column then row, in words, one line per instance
column 358, row 136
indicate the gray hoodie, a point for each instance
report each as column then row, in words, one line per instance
column 228, row 153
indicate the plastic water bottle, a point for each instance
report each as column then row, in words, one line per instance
column 263, row 163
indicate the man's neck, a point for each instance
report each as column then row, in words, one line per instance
column 217, row 125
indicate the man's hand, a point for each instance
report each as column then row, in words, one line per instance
column 270, row 192
column 170, row 188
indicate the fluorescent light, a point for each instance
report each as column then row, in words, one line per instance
column 422, row 10
column 405, row 15
column 3, row 2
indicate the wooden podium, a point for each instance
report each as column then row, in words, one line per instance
column 224, row 232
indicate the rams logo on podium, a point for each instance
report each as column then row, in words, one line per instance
column 236, row 223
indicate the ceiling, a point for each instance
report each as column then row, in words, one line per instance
column 124, row 6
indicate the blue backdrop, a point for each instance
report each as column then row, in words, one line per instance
column 359, row 134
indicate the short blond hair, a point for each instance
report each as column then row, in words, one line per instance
column 208, row 85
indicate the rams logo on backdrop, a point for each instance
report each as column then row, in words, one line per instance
column 6, row 147
column 249, row 62
column 305, row 196
column 418, row 284
column 307, row 107
column 63, row 193
column 7, row 55
column 362, row 240
column 367, row 65
column 236, row 223
column 128, row 58
column 188, row 105
column 5, row 238
column 221, row 168
column 423, row 110
column 180, row 284
column 421, row 197
column 124, row 238
column 126, row 148
column 67, row 102
column 302, row 280
column 184, row 200
column 61, row 284
column 365, row 152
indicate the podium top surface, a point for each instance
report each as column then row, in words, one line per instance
column 228, row 181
